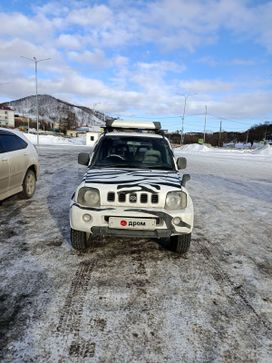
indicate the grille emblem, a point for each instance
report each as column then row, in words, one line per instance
column 132, row 198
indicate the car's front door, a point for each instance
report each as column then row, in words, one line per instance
column 16, row 155
column 4, row 173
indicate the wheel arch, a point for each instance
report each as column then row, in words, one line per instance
column 32, row 167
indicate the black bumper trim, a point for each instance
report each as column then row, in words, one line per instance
column 105, row 231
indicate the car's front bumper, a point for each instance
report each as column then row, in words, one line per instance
column 99, row 221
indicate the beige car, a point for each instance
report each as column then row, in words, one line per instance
column 19, row 165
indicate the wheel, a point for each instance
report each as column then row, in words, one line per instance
column 181, row 243
column 78, row 240
column 29, row 184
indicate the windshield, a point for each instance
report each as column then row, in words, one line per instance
column 133, row 152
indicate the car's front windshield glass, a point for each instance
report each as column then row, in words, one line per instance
column 133, row 152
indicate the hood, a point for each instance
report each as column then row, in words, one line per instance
column 130, row 178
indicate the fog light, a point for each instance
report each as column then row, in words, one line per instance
column 176, row 221
column 86, row 217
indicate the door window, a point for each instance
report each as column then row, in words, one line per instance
column 11, row 143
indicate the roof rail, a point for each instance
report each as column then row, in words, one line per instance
column 122, row 125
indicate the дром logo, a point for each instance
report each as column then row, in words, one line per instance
column 123, row 223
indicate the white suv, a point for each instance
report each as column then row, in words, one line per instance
column 19, row 165
column 132, row 188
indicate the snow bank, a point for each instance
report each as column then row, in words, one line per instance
column 265, row 150
column 193, row 148
column 52, row 140
column 190, row 148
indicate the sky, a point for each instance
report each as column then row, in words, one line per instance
column 144, row 60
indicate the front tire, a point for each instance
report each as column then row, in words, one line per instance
column 181, row 243
column 78, row 240
column 29, row 184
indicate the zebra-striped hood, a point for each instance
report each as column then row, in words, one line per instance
column 122, row 178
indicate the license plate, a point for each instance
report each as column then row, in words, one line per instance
column 132, row 223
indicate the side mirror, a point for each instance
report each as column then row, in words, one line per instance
column 185, row 178
column 181, row 163
column 83, row 158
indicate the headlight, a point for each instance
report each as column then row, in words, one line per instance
column 89, row 197
column 176, row 200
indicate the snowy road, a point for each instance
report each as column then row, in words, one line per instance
column 133, row 300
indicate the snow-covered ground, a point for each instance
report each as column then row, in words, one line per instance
column 191, row 148
column 197, row 148
column 56, row 140
column 134, row 300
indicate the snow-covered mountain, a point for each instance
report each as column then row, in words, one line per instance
column 55, row 111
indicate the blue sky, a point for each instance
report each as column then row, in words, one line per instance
column 141, row 59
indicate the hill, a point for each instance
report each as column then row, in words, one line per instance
column 55, row 113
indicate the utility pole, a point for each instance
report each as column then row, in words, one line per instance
column 183, row 117
column 220, row 134
column 36, row 61
column 182, row 120
column 265, row 133
column 247, row 134
column 205, row 122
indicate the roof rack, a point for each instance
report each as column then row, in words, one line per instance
column 122, row 125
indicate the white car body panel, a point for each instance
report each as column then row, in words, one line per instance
column 4, row 174
column 14, row 165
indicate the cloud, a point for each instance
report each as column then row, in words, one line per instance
column 135, row 55
column 161, row 67
column 98, row 15
column 69, row 41
column 242, row 106
column 206, row 86
column 213, row 62
column 22, row 26
column 170, row 24
column 11, row 52
column 242, row 62
column 121, row 61
column 97, row 58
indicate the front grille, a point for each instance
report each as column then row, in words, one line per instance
column 111, row 197
column 122, row 197
column 143, row 198
column 132, row 198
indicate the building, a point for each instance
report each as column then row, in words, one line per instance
column 72, row 133
column 92, row 135
column 6, row 117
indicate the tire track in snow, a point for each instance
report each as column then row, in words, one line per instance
column 72, row 312
column 14, row 208
column 238, row 294
column 144, row 328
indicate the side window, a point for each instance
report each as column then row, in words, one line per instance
column 11, row 143
column 1, row 147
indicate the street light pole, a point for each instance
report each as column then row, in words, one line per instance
column 182, row 120
column 204, row 133
column 36, row 61
column 183, row 117
column 220, row 134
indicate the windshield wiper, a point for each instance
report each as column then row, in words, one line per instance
column 159, row 167
column 129, row 166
